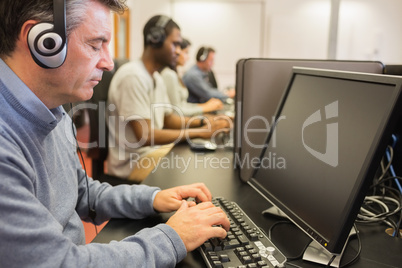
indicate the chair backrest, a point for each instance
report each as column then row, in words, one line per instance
column 212, row 79
column 97, row 122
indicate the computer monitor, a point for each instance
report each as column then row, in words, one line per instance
column 263, row 82
column 396, row 168
column 393, row 69
column 332, row 130
column 238, row 98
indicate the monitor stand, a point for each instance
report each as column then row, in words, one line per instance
column 314, row 252
column 318, row 254
column 275, row 212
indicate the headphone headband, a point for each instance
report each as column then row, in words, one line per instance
column 162, row 21
column 157, row 33
column 48, row 41
column 59, row 18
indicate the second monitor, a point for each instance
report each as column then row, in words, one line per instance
column 260, row 84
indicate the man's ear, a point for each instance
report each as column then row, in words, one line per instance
column 23, row 36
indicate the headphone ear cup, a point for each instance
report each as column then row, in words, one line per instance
column 204, row 55
column 156, row 37
column 47, row 47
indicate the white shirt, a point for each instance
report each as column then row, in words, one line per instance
column 133, row 94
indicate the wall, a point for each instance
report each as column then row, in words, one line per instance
column 370, row 30
column 140, row 12
column 297, row 29
column 232, row 28
column 367, row 29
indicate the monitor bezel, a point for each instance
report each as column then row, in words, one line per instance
column 335, row 244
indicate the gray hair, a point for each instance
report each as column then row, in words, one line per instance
column 14, row 13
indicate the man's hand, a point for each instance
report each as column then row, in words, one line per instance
column 171, row 199
column 198, row 223
column 214, row 125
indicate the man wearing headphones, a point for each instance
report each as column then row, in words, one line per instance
column 46, row 60
column 144, row 118
column 197, row 79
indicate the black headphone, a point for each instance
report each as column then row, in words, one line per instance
column 48, row 41
column 204, row 54
column 157, row 35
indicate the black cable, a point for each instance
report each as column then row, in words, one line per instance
column 294, row 265
column 384, row 187
column 390, row 178
column 330, row 261
column 304, row 248
column 274, row 225
column 359, row 250
column 398, row 227
column 91, row 212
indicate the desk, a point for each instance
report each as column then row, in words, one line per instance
column 182, row 166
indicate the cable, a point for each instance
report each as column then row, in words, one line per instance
column 304, row 249
column 292, row 264
column 359, row 249
column 330, row 261
column 386, row 200
column 383, row 208
column 91, row 212
column 390, row 161
column 288, row 222
column 274, row 225
column 390, row 156
column 368, row 214
column 380, row 200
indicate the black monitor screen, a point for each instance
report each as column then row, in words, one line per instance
column 331, row 132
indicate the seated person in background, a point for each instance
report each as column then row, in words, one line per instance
column 197, row 82
column 44, row 192
column 143, row 117
column 178, row 92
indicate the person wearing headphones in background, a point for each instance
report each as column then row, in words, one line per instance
column 144, row 117
column 48, row 59
column 197, row 79
column 177, row 91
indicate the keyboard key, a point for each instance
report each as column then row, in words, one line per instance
column 224, row 258
column 252, row 251
column 242, row 254
column 253, row 237
column 238, row 233
column 245, row 245
column 211, row 253
column 249, row 247
column 207, row 246
column 231, row 244
column 216, row 244
column 246, row 259
column 217, row 264
column 256, row 257
column 238, row 249
column 243, row 240
column 214, row 258
column 231, row 237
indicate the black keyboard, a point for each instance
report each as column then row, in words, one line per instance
column 245, row 246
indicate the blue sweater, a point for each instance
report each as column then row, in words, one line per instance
column 199, row 89
column 43, row 195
